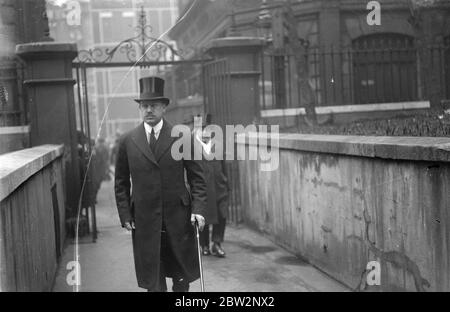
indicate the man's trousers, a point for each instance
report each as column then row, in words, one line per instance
column 218, row 232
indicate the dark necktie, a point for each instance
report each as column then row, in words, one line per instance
column 152, row 141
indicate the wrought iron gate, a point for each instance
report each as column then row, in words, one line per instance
column 216, row 77
column 217, row 97
column 13, row 111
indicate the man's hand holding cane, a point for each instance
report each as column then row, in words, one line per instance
column 200, row 221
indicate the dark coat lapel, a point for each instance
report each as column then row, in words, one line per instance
column 165, row 140
column 140, row 139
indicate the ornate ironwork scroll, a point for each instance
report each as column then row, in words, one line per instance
column 141, row 48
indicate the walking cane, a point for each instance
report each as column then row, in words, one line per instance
column 197, row 233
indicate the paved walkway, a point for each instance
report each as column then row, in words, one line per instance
column 253, row 263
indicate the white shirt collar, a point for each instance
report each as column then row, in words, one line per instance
column 206, row 146
column 157, row 128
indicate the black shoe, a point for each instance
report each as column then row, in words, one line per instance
column 180, row 285
column 206, row 251
column 217, row 251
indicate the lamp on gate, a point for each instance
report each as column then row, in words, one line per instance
column 42, row 6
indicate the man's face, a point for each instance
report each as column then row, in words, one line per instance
column 206, row 136
column 152, row 111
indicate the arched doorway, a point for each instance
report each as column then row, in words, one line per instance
column 384, row 68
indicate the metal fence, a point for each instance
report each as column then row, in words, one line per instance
column 357, row 75
column 13, row 111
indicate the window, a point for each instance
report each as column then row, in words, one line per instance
column 158, row 3
column 12, row 111
column 166, row 19
column 153, row 21
column 3, row 96
column 120, row 84
column 384, row 69
column 116, row 26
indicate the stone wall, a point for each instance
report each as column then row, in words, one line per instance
column 32, row 214
column 342, row 201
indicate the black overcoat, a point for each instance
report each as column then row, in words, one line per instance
column 217, row 190
column 150, row 187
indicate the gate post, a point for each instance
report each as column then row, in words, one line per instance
column 49, row 87
column 243, row 58
column 243, row 55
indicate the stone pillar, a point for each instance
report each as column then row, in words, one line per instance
column 49, row 84
column 243, row 55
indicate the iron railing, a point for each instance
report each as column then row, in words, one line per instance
column 357, row 75
column 13, row 111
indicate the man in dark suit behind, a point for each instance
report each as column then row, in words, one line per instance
column 217, row 198
column 152, row 198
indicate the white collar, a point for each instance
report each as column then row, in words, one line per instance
column 206, row 146
column 156, row 128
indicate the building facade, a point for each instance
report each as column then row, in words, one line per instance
column 19, row 23
column 104, row 25
column 406, row 58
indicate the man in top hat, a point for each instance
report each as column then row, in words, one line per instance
column 158, row 208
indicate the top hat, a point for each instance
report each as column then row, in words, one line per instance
column 151, row 89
